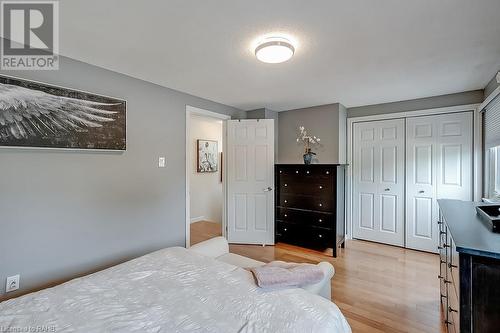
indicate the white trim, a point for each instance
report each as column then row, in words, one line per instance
column 191, row 110
column 477, row 151
column 416, row 113
column 197, row 219
column 488, row 99
column 202, row 112
column 477, row 183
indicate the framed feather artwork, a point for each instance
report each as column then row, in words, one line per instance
column 39, row 115
column 208, row 156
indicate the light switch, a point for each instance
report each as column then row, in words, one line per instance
column 162, row 162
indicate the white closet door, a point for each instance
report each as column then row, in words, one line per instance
column 439, row 165
column 378, row 184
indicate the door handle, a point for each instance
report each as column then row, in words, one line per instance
column 268, row 189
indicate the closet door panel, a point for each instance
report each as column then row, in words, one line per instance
column 421, row 205
column 378, row 183
column 438, row 165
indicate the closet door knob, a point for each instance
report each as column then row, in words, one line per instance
column 421, row 191
column 387, row 189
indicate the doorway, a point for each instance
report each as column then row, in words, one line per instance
column 205, row 174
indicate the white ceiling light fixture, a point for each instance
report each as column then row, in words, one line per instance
column 274, row 50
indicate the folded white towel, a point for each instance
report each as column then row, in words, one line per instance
column 280, row 274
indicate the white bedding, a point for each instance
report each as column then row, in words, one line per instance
column 171, row 290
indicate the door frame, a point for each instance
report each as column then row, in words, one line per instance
column 477, row 151
column 190, row 111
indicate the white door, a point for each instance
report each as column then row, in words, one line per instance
column 250, row 172
column 439, row 165
column 378, row 181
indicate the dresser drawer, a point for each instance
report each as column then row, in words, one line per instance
column 453, row 310
column 306, row 172
column 453, row 267
column 305, row 202
column 307, row 218
column 317, row 187
column 304, row 235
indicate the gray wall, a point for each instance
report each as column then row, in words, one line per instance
column 64, row 213
column 468, row 97
column 327, row 122
column 267, row 114
column 492, row 85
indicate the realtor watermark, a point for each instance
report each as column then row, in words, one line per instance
column 30, row 31
column 28, row 329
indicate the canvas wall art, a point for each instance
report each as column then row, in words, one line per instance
column 38, row 115
column 208, row 154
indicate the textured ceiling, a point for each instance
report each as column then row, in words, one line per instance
column 355, row 52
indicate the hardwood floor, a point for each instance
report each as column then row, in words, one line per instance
column 379, row 288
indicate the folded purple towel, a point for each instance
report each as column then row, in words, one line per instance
column 280, row 274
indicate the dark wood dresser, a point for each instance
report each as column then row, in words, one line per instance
column 469, row 269
column 310, row 208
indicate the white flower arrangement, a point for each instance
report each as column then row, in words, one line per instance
column 307, row 140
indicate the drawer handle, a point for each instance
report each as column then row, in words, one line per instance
column 321, row 205
column 286, row 185
column 286, row 215
column 446, row 245
column 307, row 172
column 447, row 322
column 440, row 277
column 286, row 201
column 285, row 229
column 281, row 171
column 320, row 220
column 328, row 172
column 444, row 296
column 440, row 222
column 321, row 187
column 440, row 261
column 447, row 281
column 450, row 266
column 440, row 247
column 442, row 232
column 450, row 309
column 320, row 236
column 296, row 171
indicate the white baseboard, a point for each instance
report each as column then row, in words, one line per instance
column 197, row 219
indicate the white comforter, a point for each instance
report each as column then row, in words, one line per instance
column 171, row 290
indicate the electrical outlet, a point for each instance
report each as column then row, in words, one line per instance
column 12, row 283
column 162, row 162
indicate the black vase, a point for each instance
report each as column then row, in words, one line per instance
column 308, row 156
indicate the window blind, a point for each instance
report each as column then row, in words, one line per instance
column 491, row 121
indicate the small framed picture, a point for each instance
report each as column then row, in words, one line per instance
column 208, row 156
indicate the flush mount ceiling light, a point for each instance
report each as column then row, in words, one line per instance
column 274, row 50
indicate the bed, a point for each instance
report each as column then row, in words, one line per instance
column 171, row 290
